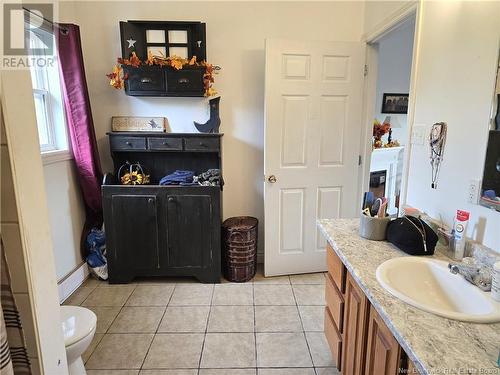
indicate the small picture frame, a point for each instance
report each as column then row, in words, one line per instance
column 138, row 124
column 395, row 103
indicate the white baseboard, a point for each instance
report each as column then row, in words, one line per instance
column 71, row 282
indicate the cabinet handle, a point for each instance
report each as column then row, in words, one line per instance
column 146, row 80
column 202, row 144
column 128, row 143
column 171, row 199
column 165, row 143
column 151, row 200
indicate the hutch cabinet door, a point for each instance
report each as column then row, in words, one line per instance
column 134, row 233
column 190, row 228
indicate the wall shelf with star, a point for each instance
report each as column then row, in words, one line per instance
column 180, row 39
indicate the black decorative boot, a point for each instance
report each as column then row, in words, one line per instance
column 213, row 123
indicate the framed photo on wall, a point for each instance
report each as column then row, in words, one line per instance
column 395, row 103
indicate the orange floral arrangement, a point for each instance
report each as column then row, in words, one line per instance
column 117, row 77
column 379, row 130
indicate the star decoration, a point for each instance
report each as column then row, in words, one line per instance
column 131, row 42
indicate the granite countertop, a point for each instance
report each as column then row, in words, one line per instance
column 436, row 345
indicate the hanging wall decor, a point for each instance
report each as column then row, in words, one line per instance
column 437, row 140
column 163, row 58
column 395, row 103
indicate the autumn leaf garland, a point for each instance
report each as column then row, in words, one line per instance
column 117, row 77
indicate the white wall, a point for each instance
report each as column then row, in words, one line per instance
column 66, row 215
column 395, row 52
column 378, row 13
column 235, row 40
column 455, row 82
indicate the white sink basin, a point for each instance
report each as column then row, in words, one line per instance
column 429, row 285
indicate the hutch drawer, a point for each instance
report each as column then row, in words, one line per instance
column 124, row 143
column 165, row 144
column 145, row 80
column 201, row 144
column 185, row 82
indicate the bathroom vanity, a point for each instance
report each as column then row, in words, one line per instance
column 369, row 331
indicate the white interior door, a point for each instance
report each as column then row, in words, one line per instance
column 313, row 105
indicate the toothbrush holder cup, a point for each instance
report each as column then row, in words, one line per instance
column 373, row 228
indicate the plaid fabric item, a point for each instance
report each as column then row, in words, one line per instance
column 5, row 360
column 13, row 353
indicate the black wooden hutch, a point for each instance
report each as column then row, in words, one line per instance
column 155, row 230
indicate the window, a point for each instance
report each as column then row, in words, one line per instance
column 47, row 95
column 168, row 42
column 181, row 38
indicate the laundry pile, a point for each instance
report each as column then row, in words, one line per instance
column 96, row 258
column 178, row 178
column 212, row 177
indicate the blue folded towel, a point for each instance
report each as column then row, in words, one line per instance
column 178, row 178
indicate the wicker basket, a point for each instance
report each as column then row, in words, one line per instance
column 240, row 248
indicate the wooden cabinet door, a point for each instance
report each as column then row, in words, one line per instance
column 190, row 228
column 355, row 324
column 383, row 351
column 132, row 229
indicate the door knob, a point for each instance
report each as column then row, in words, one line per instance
column 272, row 179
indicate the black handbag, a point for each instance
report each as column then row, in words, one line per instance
column 412, row 235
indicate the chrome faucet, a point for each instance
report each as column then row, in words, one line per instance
column 472, row 274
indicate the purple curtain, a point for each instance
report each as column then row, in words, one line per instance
column 80, row 123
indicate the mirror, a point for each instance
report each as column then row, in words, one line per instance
column 490, row 189
column 390, row 127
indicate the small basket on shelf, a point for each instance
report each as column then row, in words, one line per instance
column 132, row 174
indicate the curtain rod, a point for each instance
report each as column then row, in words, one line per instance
column 54, row 24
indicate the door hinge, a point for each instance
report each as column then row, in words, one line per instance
column 360, row 160
column 366, row 70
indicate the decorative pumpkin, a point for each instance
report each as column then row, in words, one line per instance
column 132, row 174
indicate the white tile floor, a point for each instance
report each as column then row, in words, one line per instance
column 268, row 326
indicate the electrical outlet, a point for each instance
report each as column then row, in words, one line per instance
column 474, row 187
column 418, row 134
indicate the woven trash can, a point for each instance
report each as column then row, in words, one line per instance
column 239, row 238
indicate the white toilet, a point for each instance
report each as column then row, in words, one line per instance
column 79, row 326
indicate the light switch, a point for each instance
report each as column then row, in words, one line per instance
column 418, row 134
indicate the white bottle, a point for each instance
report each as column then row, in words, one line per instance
column 460, row 227
column 495, row 282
